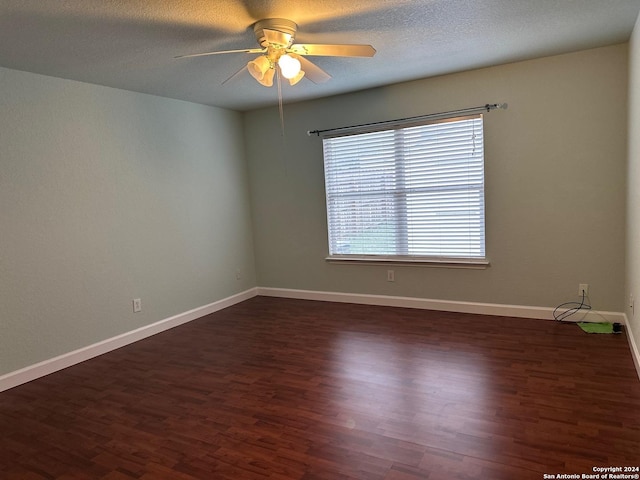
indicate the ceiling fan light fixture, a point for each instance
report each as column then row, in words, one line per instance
column 289, row 66
column 279, row 53
column 267, row 79
column 259, row 68
column 297, row 78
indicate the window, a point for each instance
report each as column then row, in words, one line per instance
column 408, row 193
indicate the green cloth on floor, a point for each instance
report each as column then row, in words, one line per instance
column 596, row 327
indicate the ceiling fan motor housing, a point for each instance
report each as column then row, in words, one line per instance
column 281, row 25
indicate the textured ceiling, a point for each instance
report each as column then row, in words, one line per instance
column 132, row 44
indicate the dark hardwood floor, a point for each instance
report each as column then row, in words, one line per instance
column 293, row 389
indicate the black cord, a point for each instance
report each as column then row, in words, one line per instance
column 571, row 308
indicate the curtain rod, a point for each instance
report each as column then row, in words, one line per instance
column 465, row 111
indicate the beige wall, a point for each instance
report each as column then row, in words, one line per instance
column 109, row 195
column 555, row 176
column 633, row 187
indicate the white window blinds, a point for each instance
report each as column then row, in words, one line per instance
column 414, row 191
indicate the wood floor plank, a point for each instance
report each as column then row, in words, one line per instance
column 292, row 389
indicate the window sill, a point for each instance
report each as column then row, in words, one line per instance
column 477, row 264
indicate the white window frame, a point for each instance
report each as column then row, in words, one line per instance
column 401, row 251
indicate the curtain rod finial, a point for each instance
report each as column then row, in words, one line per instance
column 497, row 106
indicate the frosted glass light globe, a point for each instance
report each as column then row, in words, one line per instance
column 289, row 66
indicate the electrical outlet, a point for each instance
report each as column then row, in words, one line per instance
column 391, row 276
column 583, row 287
column 137, row 305
column 238, row 274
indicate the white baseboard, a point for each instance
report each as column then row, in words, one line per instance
column 501, row 310
column 24, row 375
column 518, row 311
column 52, row 365
column 633, row 346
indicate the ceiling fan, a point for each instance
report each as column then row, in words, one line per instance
column 279, row 54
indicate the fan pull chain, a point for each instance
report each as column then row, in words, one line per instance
column 280, row 107
column 281, row 110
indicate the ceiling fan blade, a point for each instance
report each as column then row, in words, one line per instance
column 333, row 50
column 244, row 50
column 311, row 70
column 242, row 70
column 274, row 36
